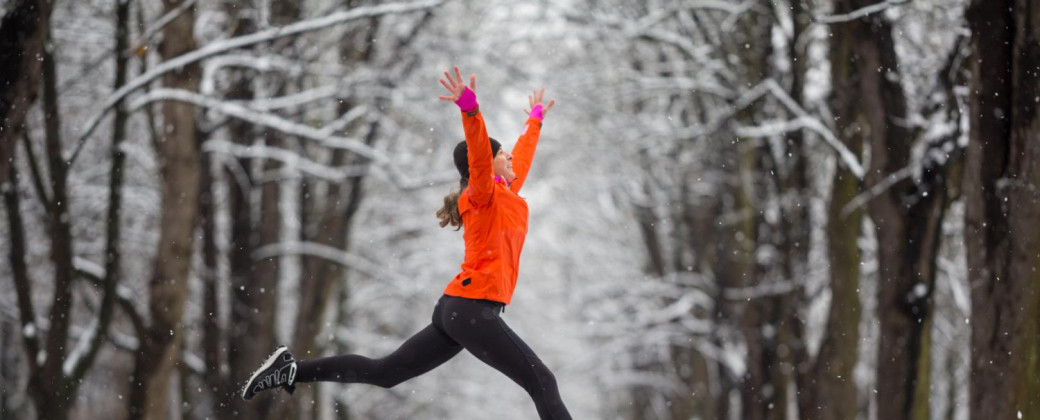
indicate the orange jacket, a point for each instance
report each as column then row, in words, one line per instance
column 494, row 217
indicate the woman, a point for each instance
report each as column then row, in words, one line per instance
column 494, row 219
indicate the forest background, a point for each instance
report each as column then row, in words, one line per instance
column 740, row 209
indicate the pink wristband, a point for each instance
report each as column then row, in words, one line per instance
column 536, row 112
column 468, row 101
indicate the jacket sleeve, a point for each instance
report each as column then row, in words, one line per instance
column 481, row 183
column 523, row 152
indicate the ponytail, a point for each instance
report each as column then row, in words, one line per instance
column 449, row 214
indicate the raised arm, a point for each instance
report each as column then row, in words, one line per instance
column 523, row 152
column 481, row 183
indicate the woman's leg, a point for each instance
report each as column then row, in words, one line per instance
column 424, row 351
column 477, row 326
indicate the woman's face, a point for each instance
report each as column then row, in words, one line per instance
column 504, row 165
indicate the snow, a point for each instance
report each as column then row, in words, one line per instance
column 72, row 359
column 29, row 330
column 861, row 12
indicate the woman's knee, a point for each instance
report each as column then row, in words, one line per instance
column 543, row 379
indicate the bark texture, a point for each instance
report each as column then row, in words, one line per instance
column 178, row 151
column 1002, row 197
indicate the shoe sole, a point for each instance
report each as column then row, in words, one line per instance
column 267, row 363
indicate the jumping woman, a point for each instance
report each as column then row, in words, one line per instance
column 494, row 220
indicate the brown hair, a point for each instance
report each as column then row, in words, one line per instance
column 449, row 214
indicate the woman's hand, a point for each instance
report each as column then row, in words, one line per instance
column 535, row 102
column 455, row 85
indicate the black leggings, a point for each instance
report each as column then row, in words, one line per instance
column 458, row 323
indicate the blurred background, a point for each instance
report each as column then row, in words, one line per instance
column 739, row 209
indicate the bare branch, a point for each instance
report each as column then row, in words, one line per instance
column 22, row 283
column 34, row 170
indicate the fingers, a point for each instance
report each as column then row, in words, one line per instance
column 456, row 84
column 548, row 107
column 536, row 98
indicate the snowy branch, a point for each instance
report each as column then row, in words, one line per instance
column 261, row 63
column 773, row 128
column 803, row 120
column 263, row 119
column 77, row 355
column 219, row 47
column 322, row 136
column 859, row 13
column 341, row 123
column 336, row 255
column 814, row 124
column 876, row 190
column 291, row 159
column 766, row 289
column 676, row 84
column 654, row 19
column 94, row 273
column 295, row 100
column 164, row 20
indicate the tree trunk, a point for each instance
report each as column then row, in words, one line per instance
column 23, row 289
column 907, row 217
column 115, row 201
column 714, row 390
column 22, row 33
column 264, row 284
column 832, row 393
column 693, row 397
column 760, row 387
column 791, row 178
column 178, row 152
column 214, row 343
column 55, row 403
column 321, row 277
column 1001, row 182
column 251, row 327
column 827, row 389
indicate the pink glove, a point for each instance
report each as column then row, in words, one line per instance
column 536, row 112
column 468, row 101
